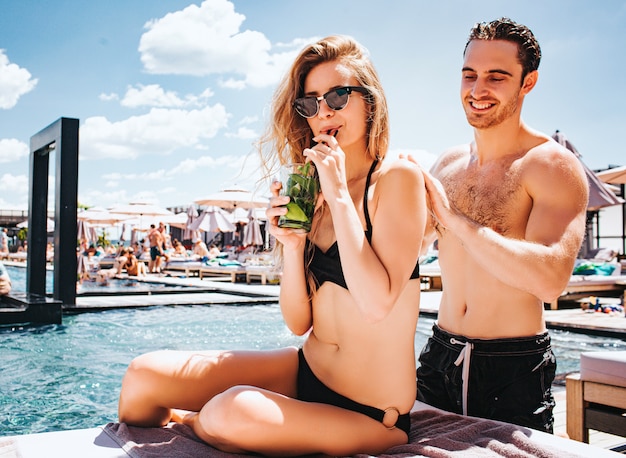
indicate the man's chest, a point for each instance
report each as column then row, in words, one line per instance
column 492, row 197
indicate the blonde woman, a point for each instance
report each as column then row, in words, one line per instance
column 350, row 388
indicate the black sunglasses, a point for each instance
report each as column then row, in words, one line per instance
column 337, row 99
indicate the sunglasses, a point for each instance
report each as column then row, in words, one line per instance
column 336, row 99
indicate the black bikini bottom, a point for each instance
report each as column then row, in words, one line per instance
column 311, row 389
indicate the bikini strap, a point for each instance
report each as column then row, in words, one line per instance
column 366, row 213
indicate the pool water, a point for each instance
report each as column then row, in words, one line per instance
column 113, row 285
column 68, row 376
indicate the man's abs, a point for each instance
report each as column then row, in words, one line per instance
column 478, row 309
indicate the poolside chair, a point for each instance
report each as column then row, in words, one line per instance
column 596, row 397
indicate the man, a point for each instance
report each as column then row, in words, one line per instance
column 155, row 239
column 509, row 210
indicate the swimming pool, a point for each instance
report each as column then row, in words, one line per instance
column 88, row 288
column 68, row 376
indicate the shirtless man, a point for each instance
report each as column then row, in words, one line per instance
column 156, row 249
column 509, row 210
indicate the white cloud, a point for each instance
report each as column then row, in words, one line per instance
column 243, row 133
column 108, row 97
column 12, row 150
column 15, row 186
column 14, row 82
column 206, row 39
column 161, row 131
column 155, row 96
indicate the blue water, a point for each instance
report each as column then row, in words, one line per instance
column 114, row 285
column 68, row 376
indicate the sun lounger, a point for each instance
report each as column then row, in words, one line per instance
column 581, row 286
column 190, row 268
column 433, row 433
column 19, row 257
column 261, row 272
column 234, row 272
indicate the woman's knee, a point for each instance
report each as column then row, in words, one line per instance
column 138, row 385
column 232, row 414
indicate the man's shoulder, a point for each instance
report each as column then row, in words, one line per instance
column 450, row 156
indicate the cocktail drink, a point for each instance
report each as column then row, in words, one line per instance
column 301, row 184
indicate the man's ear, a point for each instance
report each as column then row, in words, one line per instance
column 529, row 81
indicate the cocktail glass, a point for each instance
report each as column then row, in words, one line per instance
column 301, row 184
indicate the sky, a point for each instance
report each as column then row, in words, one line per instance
column 172, row 95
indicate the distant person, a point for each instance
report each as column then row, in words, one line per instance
column 104, row 275
column 5, row 280
column 509, row 213
column 350, row 286
column 166, row 243
column 214, row 251
column 4, row 241
column 179, row 249
column 156, row 249
column 201, row 251
column 133, row 266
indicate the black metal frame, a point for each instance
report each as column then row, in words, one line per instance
column 61, row 137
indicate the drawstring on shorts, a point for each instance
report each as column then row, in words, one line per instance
column 465, row 358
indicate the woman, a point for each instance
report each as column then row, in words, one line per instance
column 134, row 267
column 350, row 387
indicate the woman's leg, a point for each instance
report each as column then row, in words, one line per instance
column 250, row 419
column 160, row 381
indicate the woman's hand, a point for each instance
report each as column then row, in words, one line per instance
column 277, row 208
column 329, row 160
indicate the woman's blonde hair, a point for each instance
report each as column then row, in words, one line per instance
column 288, row 133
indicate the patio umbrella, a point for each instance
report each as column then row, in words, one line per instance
column 599, row 194
column 615, row 175
column 213, row 219
column 101, row 218
column 141, row 210
column 86, row 231
column 230, row 199
column 252, row 232
column 49, row 225
column 192, row 215
column 239, row 216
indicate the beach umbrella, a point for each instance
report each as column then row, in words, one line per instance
column 192, row 215
column 141, row 210
column 178, row 220
column 252, row 232
column 213, row 219
column 232, row 198
column 49, row 225
column 240, row 215
column 600, row 195
column 615, row 175
column 86, row 231
column 102, row 218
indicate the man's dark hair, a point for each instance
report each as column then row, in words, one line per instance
column 528, row 50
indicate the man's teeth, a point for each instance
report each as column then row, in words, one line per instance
column 481, row 106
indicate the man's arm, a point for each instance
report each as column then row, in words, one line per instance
column 541, row 263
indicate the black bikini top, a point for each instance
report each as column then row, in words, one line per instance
column 326, row 266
